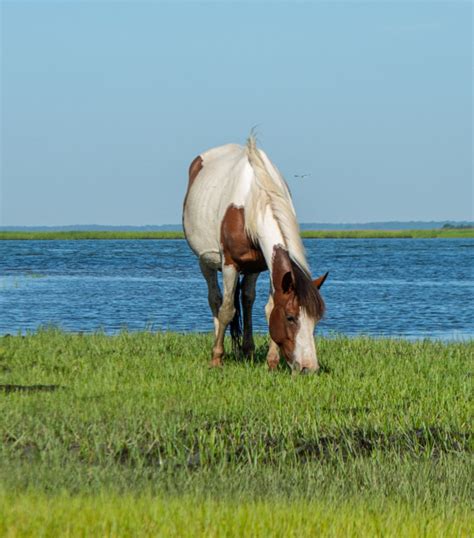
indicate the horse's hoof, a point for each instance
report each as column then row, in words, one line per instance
column 215, row 363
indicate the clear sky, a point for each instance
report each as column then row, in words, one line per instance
column 105, row 104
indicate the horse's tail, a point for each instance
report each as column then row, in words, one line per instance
column 236, row 323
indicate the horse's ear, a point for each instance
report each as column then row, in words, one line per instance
column 318, row 282
column 287, row 284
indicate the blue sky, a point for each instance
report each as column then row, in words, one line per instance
column 104, row 105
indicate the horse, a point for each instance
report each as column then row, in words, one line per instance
column 239, row 218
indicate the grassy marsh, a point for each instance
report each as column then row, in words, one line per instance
column 381, row 439
column 308, row 234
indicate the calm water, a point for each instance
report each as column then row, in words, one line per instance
column 408, row 287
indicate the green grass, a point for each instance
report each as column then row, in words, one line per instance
column 71, row 235
column 309, row 234
column 135, row 435
column 389, row 234
column 112, row 515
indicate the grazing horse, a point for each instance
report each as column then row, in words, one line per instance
column 238, row 218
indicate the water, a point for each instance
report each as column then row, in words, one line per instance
column 413, row 288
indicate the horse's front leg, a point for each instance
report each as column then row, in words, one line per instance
column 248, row 297
column 226, row 312
column 273, row 355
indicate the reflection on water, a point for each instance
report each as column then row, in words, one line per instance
column 413, row 288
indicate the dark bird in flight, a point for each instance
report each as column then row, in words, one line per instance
column 301, row 176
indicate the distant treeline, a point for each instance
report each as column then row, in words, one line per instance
column 305, row 226
column 449, row 226
column 465, row 232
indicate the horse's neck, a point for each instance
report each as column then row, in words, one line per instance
column 270, row 239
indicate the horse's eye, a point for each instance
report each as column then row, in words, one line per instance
column 291, row 319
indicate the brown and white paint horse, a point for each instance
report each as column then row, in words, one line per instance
column 238, row 218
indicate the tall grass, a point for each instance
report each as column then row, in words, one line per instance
column 135, row 431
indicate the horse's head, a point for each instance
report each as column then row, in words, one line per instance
column 297, row 307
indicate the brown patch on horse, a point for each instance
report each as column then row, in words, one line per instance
column 238, row 249
column 282, row 330
column 281, row 265
column 283, row 322
column 194, row 168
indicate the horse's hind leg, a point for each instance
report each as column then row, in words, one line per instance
column 226, row 312
column 214, row 295
column 248, row 297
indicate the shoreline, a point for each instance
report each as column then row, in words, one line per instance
column 460, row 339
column 306, row 234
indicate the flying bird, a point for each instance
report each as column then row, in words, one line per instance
column 301, row 176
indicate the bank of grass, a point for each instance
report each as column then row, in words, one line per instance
column 389, row 234
column 82, row 234
column 134, row 435
column 308, row 234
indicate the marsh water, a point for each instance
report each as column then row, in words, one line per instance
column 412, row 288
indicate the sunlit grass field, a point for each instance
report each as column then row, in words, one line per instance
column 308, row 234
column 133, row 435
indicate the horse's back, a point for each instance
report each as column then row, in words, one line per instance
column 218, row 178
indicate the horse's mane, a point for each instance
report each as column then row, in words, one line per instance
column 308, row 295
column 270, row 189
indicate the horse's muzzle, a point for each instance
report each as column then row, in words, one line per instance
column 306, row 371
column 296, row 369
